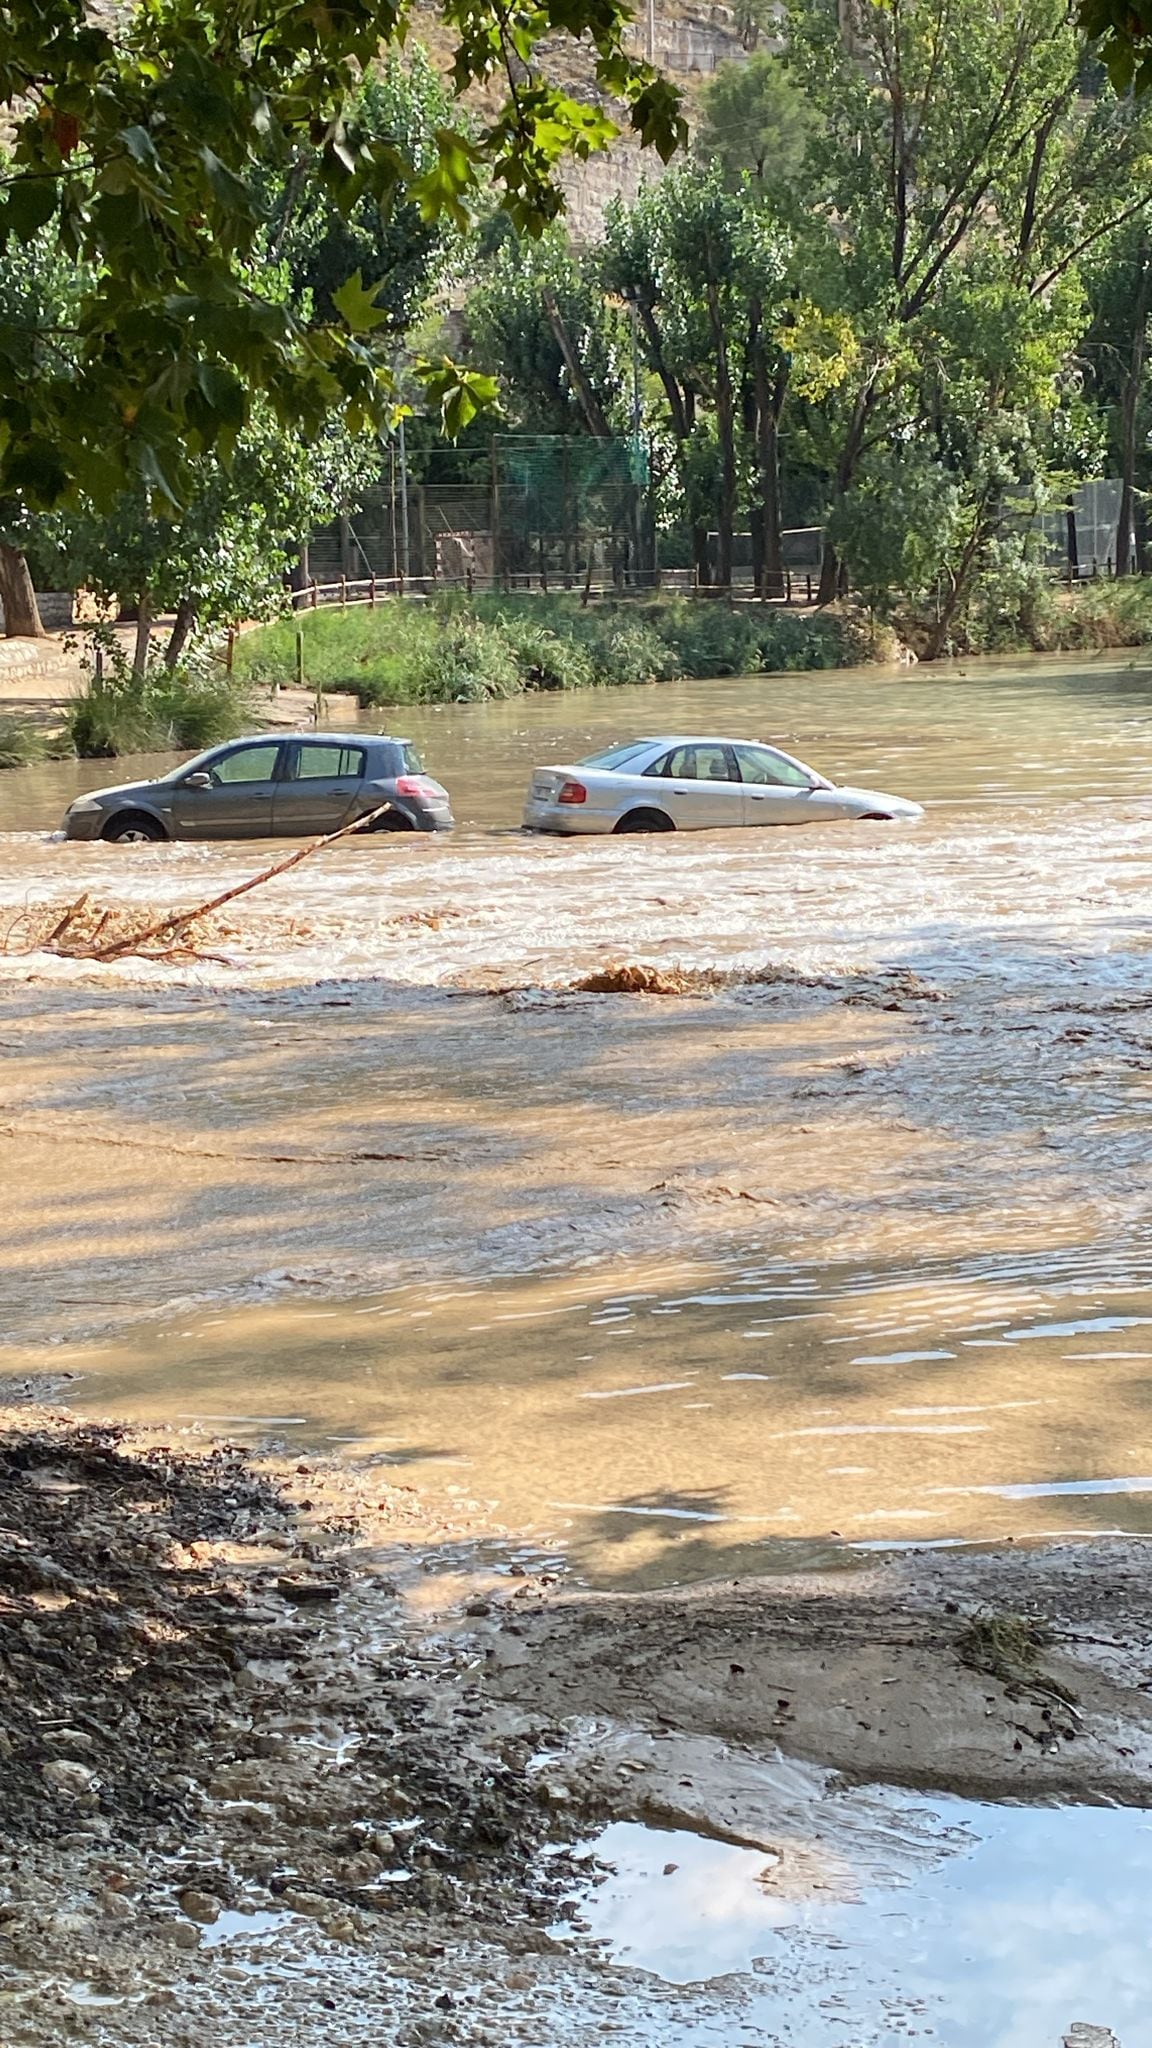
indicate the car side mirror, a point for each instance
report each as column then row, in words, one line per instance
column 201, row 780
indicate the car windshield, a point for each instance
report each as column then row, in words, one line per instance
column 615, row 757
column 192, row 767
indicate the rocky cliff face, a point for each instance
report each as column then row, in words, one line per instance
column 687, row 39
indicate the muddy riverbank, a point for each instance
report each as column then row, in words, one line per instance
column 264, row 1760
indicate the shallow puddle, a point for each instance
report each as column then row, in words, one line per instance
column 1027, row 1919
column 728, row 1417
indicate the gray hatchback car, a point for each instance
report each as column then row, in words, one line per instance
column 271, row 786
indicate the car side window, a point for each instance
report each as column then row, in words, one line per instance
column 758, row 764
column 696, row 764
column 317, row 762
column 250, row 764
column 680, row 762
column 714, row 764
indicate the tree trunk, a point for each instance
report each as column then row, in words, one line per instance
column 845, row 471
column 701, row 554
column 1129, row 409
column 21, row 612
column 140, row 651
column 726, row 429
column 770, row 393
column 982, row 526
column 1073, row 541
column 181, row 628
column 582, row 390
column 1140, row 525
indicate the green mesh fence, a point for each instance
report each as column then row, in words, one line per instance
column 541, row 508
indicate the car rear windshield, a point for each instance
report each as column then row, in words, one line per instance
column 410, row 761
column 615, row 757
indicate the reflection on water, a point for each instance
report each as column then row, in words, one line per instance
column 1031, row 1918
column 799, row 1420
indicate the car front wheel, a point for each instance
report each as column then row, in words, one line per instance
column 133, row 828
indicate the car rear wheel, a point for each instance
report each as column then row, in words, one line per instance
column 874, row 818
column 133, row 828
column 644, row 821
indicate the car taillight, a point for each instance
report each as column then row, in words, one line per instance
column 411, row 785
column 572, row 793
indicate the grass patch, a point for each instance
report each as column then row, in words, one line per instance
column 1006, row 1646
column 21, row 744
column 454, row 650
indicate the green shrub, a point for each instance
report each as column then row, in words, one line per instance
column 192, row 706
column 712, row 638
column 21, row 744
column 546, row 659
column 467, row 662
column 627, row 649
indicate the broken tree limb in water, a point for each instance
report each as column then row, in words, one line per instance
column 168, row 928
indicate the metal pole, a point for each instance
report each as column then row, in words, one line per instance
column 404, row 535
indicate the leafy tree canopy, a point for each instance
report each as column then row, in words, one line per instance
column 753, row 120
column 141, row 141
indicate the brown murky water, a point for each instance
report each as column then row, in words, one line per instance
column 984, row 732
column 686, row 1288
column 745, row 1416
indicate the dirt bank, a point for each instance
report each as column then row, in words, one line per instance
column 279, row 1749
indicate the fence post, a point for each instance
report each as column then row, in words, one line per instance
column 229, row 649
column 343, row 593
column 372, row 592
column 314, row 593
column 808, row 585
column 299, row 658
column 98, row 668
column 787, row 586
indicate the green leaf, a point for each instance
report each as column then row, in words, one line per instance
column 358, row 306
column 30, row 205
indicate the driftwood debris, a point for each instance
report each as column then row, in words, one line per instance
column 114, row 935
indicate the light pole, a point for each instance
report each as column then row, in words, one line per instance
column 403, row 501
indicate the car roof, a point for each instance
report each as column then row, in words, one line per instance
column 695, row 739
column 326, row 738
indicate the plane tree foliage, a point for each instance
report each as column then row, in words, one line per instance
column 142, row 141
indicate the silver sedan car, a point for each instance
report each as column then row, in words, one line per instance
column 686, row 784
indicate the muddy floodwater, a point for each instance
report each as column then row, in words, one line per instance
column 852, row 1251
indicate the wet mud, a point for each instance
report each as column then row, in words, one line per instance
column 268, row 1771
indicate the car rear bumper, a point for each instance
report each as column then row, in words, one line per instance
column 567, row 818
column 432, row 821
